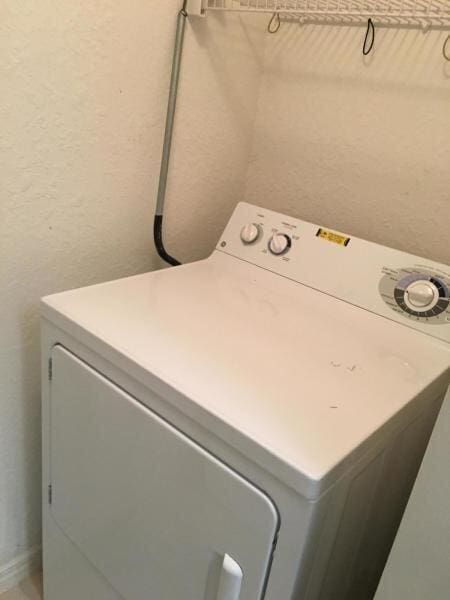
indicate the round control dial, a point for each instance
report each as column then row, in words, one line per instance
column 422, row 295
column 250, row 233
column 279, row 243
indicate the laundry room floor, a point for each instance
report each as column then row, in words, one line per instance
column 29, row 589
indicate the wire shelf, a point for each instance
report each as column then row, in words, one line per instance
column 412, row 13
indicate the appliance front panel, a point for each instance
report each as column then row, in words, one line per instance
column 158, row 516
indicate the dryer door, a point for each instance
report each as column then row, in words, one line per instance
column 159, row 517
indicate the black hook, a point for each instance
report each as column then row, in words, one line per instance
column 274, row 23
column 445, row 51
column 369, row 40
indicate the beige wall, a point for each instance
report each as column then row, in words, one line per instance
column 358, row 144
column 216, row 113
column 84, row 89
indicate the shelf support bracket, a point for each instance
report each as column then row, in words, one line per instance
column 194, row 8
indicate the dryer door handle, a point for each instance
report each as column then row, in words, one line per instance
column 230, row 581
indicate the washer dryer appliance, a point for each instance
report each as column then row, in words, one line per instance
column 248, row 426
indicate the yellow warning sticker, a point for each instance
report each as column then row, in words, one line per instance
column 331, row 236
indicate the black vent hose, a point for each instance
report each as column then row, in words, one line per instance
column 157, row 236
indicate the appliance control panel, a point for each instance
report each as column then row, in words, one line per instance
column 411, row 290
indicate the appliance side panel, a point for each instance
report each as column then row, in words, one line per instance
column 419, row 565
column 372, row 512
column 342, row 528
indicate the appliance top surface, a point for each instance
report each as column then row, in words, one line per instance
column 304, row 375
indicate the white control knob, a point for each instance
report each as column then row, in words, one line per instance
column 279, row 243
column 422, row 294
column 250, row 233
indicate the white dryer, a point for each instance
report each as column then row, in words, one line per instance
column 245, row 427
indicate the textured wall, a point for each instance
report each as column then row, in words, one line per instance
column 214, row 129
column 84, row 88
column 358, row 144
